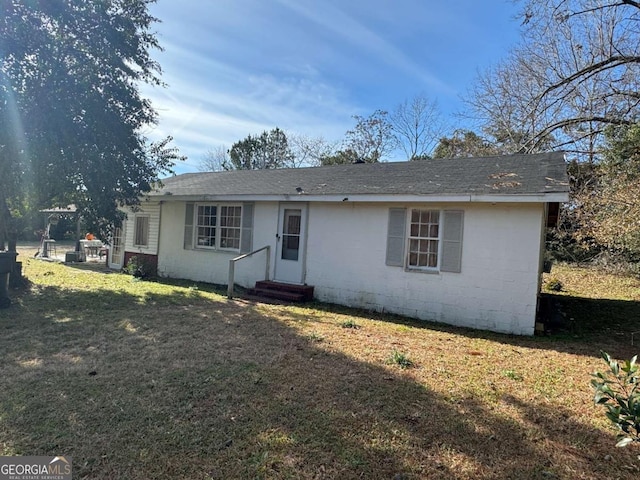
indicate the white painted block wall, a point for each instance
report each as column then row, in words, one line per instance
column 346, row 246
column 210, row 265
column 496, row 290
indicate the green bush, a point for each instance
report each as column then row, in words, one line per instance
column 554, row 285
column 617, row 390
column 139, row 267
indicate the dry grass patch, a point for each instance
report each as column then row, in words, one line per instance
column 145, row 380
column 598, row 306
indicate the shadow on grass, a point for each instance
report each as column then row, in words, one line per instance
column 587, row 326
column 580, row 325
column 217, row 389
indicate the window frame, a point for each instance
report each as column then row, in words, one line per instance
column 197, row 226
column 136, row 218
column 217, row 228
column 220, row 238
column 409, row 238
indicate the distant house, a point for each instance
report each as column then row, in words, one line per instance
column 458, row 241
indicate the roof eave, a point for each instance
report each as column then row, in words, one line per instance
column 374, row 198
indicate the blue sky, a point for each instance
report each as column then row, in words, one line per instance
column 239, row 67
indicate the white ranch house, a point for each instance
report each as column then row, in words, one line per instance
column 458, row 241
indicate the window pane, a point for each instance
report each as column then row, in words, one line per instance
column 423, row 238
column 141, row 231
column 292, row 225
column 206, row 226
column 230, row 221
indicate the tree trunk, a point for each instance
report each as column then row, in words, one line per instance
column 8, row 231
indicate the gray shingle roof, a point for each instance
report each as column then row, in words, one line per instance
column 502, row 175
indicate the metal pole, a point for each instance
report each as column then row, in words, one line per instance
column 266, row 275
column 232, row 266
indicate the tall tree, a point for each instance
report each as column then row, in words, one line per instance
column 341, row 157
column 309, row 151
column 576, row 71
column 371, row 138
column 71, row 112
column 464, row 143
column 215, row 160
column 267, row 151
column 612, row 215
column 417, row 126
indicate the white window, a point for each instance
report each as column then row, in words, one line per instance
column 424, row 239
column 230, row 222
column 206, row 226
column 141, row 231
column 218, row 226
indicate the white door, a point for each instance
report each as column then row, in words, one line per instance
column 116, row 252
column 292, row 230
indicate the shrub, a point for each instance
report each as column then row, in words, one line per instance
column 554, row 285
column 618, row 391
column 139, row 267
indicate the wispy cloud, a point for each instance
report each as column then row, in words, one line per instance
column 337, row 21
column 238, row 67
column 209, row 103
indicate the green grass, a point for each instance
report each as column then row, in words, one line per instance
column 140, row 380
column 400, row 359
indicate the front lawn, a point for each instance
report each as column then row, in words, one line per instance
column 145, row 380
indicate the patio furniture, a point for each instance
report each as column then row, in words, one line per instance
column 91, row 247
column 49, row 248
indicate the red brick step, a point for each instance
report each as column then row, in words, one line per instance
column 283, row 291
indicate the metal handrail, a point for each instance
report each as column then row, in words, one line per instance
column 232, row 267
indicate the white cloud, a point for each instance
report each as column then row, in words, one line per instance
column 338, row 22
column 209, row 103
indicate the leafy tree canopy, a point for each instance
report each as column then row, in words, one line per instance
column 464, row 143
column 266, row 151
column 71, row 110
column 610, row 209
column 342, row 157
column 371, row 138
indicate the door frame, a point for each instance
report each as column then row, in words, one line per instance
column 302, row 258
column 116, row 266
